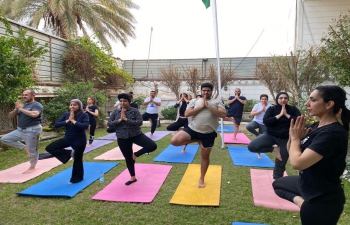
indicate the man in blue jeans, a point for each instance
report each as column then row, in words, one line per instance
column 151, row 113
column 29, row 127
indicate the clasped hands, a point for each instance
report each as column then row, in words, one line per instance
column 71, row 117
column 122, row 116
column 297, row 129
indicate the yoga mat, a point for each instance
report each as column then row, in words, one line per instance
column 241, row 223
column 110, row 136
column 96, row 144
column 59, row 186
column 172, row 154
column 14, row 174
column 188, row 193
column 115, row 153
column 226, row 128
column 241, row 138
column 241, row 156
column 263, row 193
column 158, row 135
column 150, row 178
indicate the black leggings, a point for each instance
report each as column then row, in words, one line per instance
column 92, row 131
column 322, row 213
column 153, row 118
column 264, row 143
column 56, row 148
column 180, row 122
column 125, row 146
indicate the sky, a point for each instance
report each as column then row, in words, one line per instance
column 184, row 29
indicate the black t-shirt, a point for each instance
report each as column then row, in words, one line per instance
column 321, row 181
column 235, row 109
column 91, row 109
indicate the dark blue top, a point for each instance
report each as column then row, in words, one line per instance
column 75, row 133
column 236, row 108
column 92, row 108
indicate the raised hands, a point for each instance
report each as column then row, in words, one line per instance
column 297, row 129
column 122, row 116
column 18, row 104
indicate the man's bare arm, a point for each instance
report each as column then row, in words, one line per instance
column 219, row 112
column 193, row 111
column 30, row 113
column 12, row 114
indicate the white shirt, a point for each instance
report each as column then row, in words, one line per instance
column 151, row 107
column 205, row 121
column 259, row 117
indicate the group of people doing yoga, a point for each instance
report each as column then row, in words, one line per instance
column 318, row 151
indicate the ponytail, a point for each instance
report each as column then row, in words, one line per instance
column 345, row 117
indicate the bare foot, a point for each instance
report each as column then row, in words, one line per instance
column 234, row 138
column 27, row 150
column 89, row 145
column 259, row 156
column 134, row 157
column 201, row 183
column 30, row 170
column 151, row 136
column 183, row 149
column 277, row 151
column 298, row 200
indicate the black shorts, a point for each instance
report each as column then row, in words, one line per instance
column 237, row 120
column 207, row 139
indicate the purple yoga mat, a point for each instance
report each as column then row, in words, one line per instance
column 96, row 144
column 150, row 177
column 111, row 136
column 158, row 135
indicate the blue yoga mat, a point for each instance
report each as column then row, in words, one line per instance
column 241, row 156
column 241, row 223
column 172, row 154
column 59, row 186
column 226, row 128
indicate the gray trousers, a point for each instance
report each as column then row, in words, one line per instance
column 30, row 136
column 252, row 126
column 264, row 143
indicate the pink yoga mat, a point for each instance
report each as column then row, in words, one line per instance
column 263, row 193
column 115, row 154
column 150, row 178
column 241, row 138
column 14, row 174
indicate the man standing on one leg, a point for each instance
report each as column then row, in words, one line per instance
column 151, row 113
column 236, row 104
column 202, row 128
column 29, row 127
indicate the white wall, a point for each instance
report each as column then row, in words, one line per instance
column 314, row 18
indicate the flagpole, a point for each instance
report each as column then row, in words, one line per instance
column 213, row 3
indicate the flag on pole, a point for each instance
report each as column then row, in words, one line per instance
column 206, row 3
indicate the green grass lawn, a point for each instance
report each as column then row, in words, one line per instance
column 236, row 203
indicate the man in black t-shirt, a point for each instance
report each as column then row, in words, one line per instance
column 29, row 127
column 236, row 104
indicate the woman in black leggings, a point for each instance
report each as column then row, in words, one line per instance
column 319, row 153
column 181, row 120
column 127, row 121
column 92, row 110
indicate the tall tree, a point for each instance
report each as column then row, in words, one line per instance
column 335, row 50
column 171, row 77
column 67, row 18
column 227, row 78
column 192, row 78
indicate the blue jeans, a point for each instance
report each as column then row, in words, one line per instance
column 252, row 126
column 30, row 136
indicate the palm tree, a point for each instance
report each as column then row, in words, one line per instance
column 67, row 18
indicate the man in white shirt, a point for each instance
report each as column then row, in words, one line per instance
column 202, row 128
column 151, row 113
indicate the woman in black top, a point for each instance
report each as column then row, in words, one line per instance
column 277, row 121
column 127, row 121
column 181, row 120
column 319, row 153
column 76, row 122
column 92, row 110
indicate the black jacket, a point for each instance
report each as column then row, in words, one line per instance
column 279, row 127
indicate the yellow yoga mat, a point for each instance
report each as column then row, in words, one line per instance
column 188, row 193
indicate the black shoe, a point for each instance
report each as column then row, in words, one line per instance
column 130, row 182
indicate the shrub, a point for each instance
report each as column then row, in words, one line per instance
column 60, row 103
column 249, row 106
column 169, row 113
